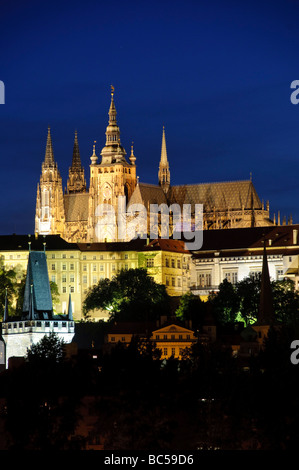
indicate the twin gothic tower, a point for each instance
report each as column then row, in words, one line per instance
column 74, row 214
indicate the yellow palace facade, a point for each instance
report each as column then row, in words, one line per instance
column 76, row 267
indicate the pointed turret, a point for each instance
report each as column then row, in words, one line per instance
column 76, row 182
column 164, row 173
column 94, row 158
column 132, row 157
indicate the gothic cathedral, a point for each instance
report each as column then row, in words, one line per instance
column 80, row 214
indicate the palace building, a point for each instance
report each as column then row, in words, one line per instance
column 74, row 214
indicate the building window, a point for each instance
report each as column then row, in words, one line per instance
column 179, row 263
column 72, row 267
column 113, row 267
column 64, row 290
column 167, row 281
column 165, row 351
column 173, row 263
column 94, row 279
column 72, row 289
column 84, row 267
column 64, row 267
column 84, row 279
column 173, row 351
column 53, row 278
column 126, row 256
column 179, row 282
column 112, row 339
column 123, row 339
column 63, row 278
column 149, row 262
column 72, row 278
column 64, row 256
column 53, row 267
column 165, row 336
column 94, row 257
column 101, row 267
column 279, row 274
column 204, row 279
column 173, row 281
column 157, row 336
column 180, row 336
column 167, row 262
column 94, row 268
column 53, row 256
column 231, row 276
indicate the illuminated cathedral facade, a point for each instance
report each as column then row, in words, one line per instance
column 74, row 213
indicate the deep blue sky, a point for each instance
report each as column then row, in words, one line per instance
column 216, row 74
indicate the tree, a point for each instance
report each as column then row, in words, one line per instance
column 191, row 308
column 248, row 291
column 130, row 295
column 286, row 301
column 226, row 303
column 50, row 349
column 7, row 285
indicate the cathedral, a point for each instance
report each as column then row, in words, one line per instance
column 74, row 214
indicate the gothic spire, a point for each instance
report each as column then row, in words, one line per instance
column 163, row 160
column 49, row 155
column 76, row 162
column 70, row 309
column 76, row 182
column 164, row 173
column 266, row 309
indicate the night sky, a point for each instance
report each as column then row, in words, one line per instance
column 216, row 74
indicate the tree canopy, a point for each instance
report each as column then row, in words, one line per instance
column 49, row 349
column 241, row 301
column 130, row 295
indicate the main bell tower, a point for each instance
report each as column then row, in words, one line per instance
column 110, row 179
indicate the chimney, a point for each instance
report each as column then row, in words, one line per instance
column 295, row 237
